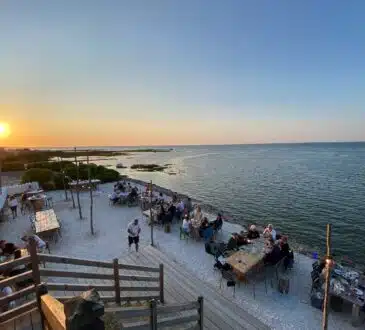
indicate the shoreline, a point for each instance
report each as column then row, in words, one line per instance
column 207, row 208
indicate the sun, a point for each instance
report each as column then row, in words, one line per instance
column 4, row 130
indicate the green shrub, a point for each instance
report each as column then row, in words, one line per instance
column 41, row 175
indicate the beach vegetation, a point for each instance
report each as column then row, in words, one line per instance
column 50, row 175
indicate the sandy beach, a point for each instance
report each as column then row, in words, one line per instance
column 292, row 311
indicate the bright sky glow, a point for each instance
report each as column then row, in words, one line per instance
column 168, row 72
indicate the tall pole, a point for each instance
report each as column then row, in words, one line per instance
column 328, row 279
column 91, row 196
column 77, row 185
column 1, row 166
column 63, row 178
column 151, row 213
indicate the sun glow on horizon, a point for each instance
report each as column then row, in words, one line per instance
column 4, row 130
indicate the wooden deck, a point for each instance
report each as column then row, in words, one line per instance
column 182, row 286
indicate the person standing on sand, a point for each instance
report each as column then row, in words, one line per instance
column 133, row 234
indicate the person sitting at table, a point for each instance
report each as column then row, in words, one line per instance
column 197, row 217
column 253, row 233
column 161, row 199
column 161, row 214
column 180, row 209
column 270, row 231
column 121, row 187
column 218, row 222
column 186, row 226
column 171, row 212
column 114, row 198
column 8, row 248
column 40, row 244
column 242, row 239
column 204, row 225
column 189, row 205
column 133, row 195
column 274, row 256
column 286, row 252
column 232, row 244
column 18, row 269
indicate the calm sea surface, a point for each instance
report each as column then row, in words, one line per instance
column 299, row 188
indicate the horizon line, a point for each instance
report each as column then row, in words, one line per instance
column 179, row 145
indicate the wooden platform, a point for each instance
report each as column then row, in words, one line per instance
column 183, row 286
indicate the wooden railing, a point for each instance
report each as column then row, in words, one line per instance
column 115, row 277
column 160, row 316
column 26, row 306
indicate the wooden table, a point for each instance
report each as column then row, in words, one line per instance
column 46, row 221
column 242, row 262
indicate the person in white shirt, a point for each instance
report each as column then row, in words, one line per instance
column 186, row 224
column 133, row 233
column 13, row 203
column 269, row 230
column 38, row 241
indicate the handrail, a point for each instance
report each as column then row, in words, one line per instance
column 14, row 263
column 157, row 315
column 74, row 261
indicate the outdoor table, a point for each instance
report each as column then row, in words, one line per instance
column 242, row 262
column 46, row 221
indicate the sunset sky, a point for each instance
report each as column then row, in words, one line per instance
column 166, row 72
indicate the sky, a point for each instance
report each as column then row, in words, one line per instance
column 169, row 72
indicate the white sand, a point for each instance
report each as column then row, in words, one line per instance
column 292, row 311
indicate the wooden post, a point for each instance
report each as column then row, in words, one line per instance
column 73, row 199
column 153, row 315
column 328, row 279
column 151, row 219
column 77, row 185
column 63, row 179
column 41, row 290
column 34, row 260
column 116, row 281
column 91, row 196
column 161, row 280
column 1, row 166
column 201, row 312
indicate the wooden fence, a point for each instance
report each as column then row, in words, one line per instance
column 35, row 272
column 156, row 317
column 157, row 291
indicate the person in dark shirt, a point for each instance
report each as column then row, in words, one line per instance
column 286, row 252
column 253, row 233
column 204, row 225
column 218, row 223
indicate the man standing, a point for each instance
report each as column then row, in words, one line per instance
column 133, row 233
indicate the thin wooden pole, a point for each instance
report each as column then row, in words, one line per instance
column 77, row 185
column 72, row 197
column 152, row 243
column 328, row 279
column 91, row 196
column 153, row 315
column 1, row 166
column 161, row 280
column 201, row 312
column 63, row 179
column 116, row 281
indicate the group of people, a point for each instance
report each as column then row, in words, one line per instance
column 122, row 187
column 11, row 251
column 197, row 225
